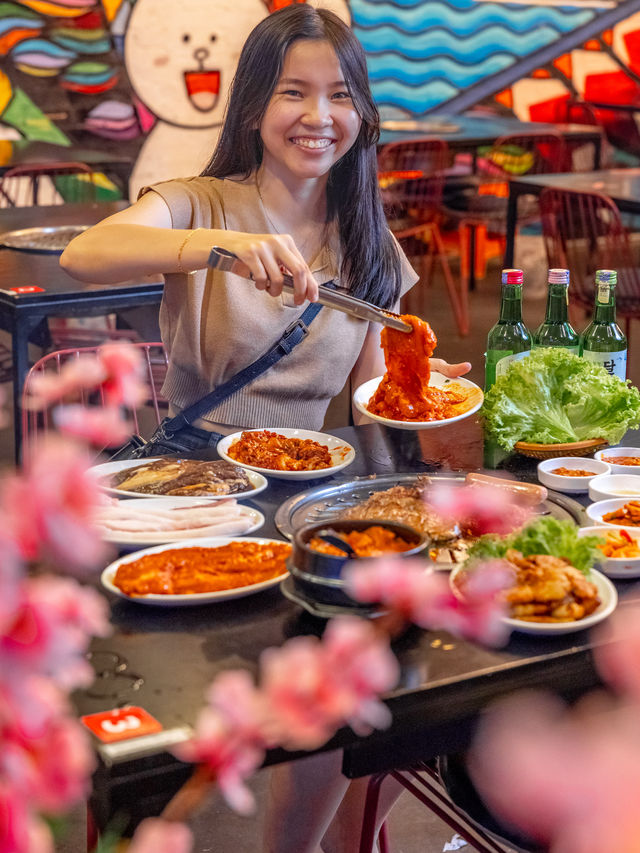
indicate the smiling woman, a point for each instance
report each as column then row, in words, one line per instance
column 291, row 185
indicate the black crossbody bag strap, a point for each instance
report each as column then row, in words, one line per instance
column 291, row 337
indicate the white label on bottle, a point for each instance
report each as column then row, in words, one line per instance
column 614, row 363
column 603, row 292
column 503, row 365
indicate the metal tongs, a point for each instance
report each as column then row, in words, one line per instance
column 221, row 259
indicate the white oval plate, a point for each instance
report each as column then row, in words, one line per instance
column 365, row 392
column 608, row 602
column 596, row 510
column 108, row 575
column 108, row 469
column 160, row 537
column 340, row 451
column 615, row 567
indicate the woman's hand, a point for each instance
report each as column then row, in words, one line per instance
column 266, row 257
column 451, row 371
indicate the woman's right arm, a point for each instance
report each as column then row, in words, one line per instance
column 140, row 241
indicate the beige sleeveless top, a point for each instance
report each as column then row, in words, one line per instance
column 214, row 324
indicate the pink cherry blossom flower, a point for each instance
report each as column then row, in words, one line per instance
column 567, row 777
column 115, row 371
column 102, row 427
column 618, row 655
column 64, row 761
column 28, row 702
column 49, row 507
column 423, row 596
column 14, row 820
column 478, row 509
column 364, row 661
column 76, row 376
column 123, row 366
column 305, row 702
column 229, row 736
column 52, row 629
column 11, row 573
column 522, row 764
column 229, row 757
column 161, row 836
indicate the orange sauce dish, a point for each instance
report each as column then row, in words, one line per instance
column 265, row 449
column 371, row 542
column 404, row 393
column 185, row 571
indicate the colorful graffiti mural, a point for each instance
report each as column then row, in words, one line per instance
column 151, row 76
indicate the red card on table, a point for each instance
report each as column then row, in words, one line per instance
column 121, row 723
column 30, row 289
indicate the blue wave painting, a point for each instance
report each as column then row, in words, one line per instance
column 422, row 53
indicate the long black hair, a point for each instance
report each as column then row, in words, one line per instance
column 370, row 259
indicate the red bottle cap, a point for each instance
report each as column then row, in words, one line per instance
column 512, row 276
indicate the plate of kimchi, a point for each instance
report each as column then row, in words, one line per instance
column 443, row 401
column 198, row 571
column 289, row 454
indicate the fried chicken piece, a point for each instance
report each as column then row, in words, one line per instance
column 548, row 589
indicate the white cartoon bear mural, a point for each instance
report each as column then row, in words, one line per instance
column 181, row 56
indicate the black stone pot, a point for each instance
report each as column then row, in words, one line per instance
column 319, row 576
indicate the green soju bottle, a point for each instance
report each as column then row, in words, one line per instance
column 556, row 331
column 603, row 340
column 509, row 339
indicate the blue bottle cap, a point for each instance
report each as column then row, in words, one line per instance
column 606, row 277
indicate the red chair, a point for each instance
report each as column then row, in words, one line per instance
column 36, row 424
column 411, row 176
column 480, row 204
column 584, row 232
column 578, row 156
column 445, row 788
column 35, row 184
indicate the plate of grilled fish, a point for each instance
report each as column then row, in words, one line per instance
column 166, row 476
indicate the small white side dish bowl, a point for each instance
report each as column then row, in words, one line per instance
column 597, row 510
column 607, row 486
column 604, row 455
column 615, row 567
column 567, row 483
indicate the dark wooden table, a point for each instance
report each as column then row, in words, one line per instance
column 472, row 130
column 163, row 658
column 621, row 185
column 60, row 295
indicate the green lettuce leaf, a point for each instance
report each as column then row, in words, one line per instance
column 544, row 535
column 555, row 396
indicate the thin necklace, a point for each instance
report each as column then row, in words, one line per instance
column 302, row 246
column 264, row 209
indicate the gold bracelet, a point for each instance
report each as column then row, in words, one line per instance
column 181, row 269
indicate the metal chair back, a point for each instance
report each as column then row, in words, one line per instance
column 584, row 232
column 411, row 177
column 34, row 184
column 36, row 424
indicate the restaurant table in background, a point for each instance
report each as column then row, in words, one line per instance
column 24, row 152
column 163, row 658
column 33, row 286
column 467, row 131
column 621, row 185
